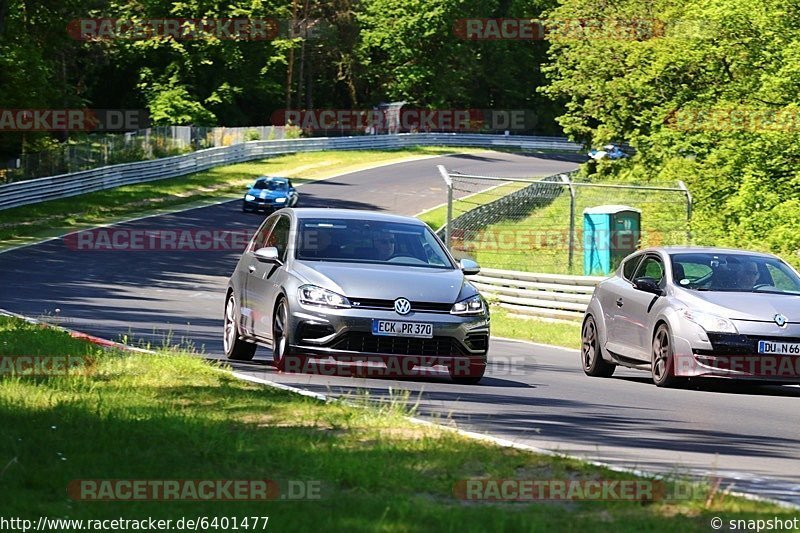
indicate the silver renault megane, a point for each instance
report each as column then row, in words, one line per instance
column 686, row 312
column 355, row 286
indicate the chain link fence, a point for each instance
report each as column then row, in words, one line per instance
column 539, row 224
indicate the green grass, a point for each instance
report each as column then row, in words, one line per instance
column 539, row 242
column 437, row 217
column 33, row 222
column 557, row 333
column 175, row 416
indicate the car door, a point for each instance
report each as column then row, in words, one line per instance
column 609, row 292
column 262, row 288
column 635, row 306
column 249, row 267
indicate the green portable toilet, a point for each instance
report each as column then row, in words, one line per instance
column 610, row 232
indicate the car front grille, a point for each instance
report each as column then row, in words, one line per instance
column 736, row 344
column 388, row 305
column 367, row 343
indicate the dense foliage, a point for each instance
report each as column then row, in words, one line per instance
column 709, row 96
column 706, row 92
column 343, row 54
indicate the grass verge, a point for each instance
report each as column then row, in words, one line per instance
column 539, row 240
column 173, row 416
column 437, row 217
column 30, row 223
column 557, row 333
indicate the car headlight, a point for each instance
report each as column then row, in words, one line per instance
column 249, row 197
column 709, row 322
column 471, row 306
column 280, row 200
column 313, row 295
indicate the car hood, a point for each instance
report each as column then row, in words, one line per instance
column 386, row 282
column 744, row 305
column 267, row 193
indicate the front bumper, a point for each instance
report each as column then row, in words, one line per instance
column 263, row 204
column 735, row 356
column 346, row 335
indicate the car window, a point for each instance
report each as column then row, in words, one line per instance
column 279, row 237
column 369, row 241
column 650, row 267
column 719, row 271
column 260, row 238
column 260, row 185
column 629, row 267
column 780, row 279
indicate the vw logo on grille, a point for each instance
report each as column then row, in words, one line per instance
column 402, row 306
column 779, row 318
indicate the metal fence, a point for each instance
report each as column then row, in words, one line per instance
column 98, row 150
column 66, row 185
column 537, row 225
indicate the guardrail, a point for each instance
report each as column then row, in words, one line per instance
column 540, row 295
column 66, row 185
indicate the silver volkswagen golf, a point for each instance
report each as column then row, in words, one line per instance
column 355, row 286
column 687, row 312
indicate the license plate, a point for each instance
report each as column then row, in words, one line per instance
column 779, row 348
column 402, row 329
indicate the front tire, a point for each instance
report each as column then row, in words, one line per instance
column 663, row 359
column 282, row 353
column 591, row 357
column 235, row 348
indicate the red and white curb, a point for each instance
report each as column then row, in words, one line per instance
column 105, row 343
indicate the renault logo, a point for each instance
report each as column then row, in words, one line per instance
column 779, row 318
column 402, row 306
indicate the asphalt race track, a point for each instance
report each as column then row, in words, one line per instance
column 533, row 394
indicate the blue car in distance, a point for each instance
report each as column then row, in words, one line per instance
column 270, row 193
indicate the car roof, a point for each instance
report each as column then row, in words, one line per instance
column 272, row 178
column 671, row 250
column 352, row 214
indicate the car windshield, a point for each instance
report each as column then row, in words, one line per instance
column 271, row 185
column 732, row 272
column 370, row 241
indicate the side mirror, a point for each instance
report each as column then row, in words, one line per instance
column 469, row 267
column 648, row 285
column 267, row 255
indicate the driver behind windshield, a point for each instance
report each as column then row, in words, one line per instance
column 383, row 243
column 747, row 276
